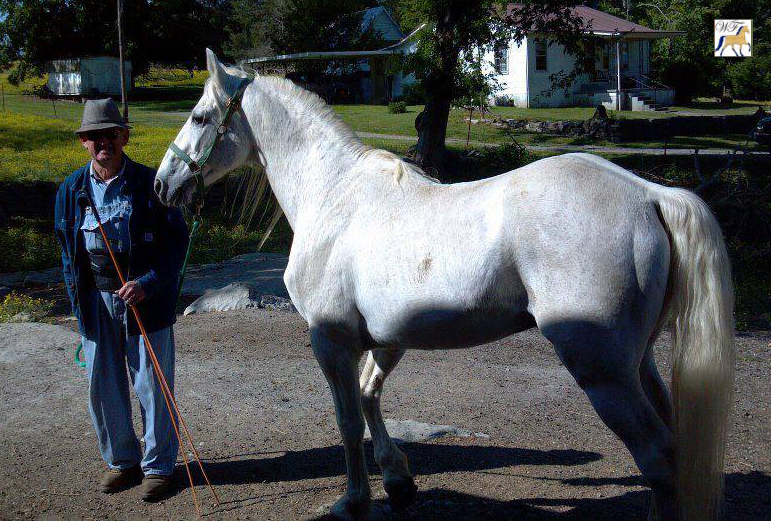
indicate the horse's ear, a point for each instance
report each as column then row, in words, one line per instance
column 216, row 70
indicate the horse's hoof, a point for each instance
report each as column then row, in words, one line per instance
column 401, row 491
column 348, row 510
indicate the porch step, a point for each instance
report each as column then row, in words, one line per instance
column 648, row 103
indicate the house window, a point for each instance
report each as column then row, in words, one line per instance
column 501, row 58
column 540, row 55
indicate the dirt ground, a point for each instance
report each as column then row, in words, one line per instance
column 262, row 416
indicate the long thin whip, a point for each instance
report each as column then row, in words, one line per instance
column 167, row 394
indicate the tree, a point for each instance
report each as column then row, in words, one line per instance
column 35, row 31
column 455, row 32
column 293, row 26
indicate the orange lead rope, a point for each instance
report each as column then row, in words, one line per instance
column 168, row 396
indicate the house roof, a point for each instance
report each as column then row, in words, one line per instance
column 402, row 47
column 601, row 23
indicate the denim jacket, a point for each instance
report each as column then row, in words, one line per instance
column 156, row 252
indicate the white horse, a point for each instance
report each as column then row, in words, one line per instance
column 385, row 259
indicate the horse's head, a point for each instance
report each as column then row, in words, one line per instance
column 214, row 140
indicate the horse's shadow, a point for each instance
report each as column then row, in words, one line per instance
column 747, row 494
column 747, row 497
column 424, row 459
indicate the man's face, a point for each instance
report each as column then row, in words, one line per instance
column 105, row 145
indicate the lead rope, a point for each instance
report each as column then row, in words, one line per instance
column 197, row 221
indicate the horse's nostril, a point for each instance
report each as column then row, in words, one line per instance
column 160, row 188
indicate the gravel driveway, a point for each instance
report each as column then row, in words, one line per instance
column 262, row 416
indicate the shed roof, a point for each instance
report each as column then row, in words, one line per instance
column 601, row 23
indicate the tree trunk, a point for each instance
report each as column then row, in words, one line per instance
column 433, row 128
column 440, row 86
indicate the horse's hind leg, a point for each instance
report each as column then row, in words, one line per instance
column 397, row 480
column 338, row 357
column 654, row 387
column 607, row 369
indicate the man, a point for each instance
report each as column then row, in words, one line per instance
column 149, row 241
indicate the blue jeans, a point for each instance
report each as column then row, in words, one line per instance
column 109, row 404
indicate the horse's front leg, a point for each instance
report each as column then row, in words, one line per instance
column 338, row 355
column 397, row 480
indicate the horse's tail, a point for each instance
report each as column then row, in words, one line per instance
column 701, row 306
column 719, row 43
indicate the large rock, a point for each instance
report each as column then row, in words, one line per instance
column 262, row 271
column 237, row 296
column 14, row 280
column 44, row 278
column 232, row 296
column 20, row 279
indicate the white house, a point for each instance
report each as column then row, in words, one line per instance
column 92, row 76
column 620, row 79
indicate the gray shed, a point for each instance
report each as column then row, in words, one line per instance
column 92, row 76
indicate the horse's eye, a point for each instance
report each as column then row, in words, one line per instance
column 198, row 120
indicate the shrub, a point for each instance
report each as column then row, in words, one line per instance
column 28, row 244
column 504, row 101
column 14, row 305
column 397, row 107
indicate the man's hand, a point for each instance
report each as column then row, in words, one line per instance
column 132, row 293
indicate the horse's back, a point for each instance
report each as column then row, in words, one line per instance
column 570, row 232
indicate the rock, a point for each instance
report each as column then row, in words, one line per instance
column 233, row 296
column 534, row 126
column 43, row 278
column 411, row 431
column 21, row 317
column 14, row 280
column 264, row 271
column 277, row 303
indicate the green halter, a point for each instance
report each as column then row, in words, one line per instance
column 196, row 167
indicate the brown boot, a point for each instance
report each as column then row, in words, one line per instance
column 115, row 480
column 156, row 487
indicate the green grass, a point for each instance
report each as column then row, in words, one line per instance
column 166, row 77
column 36, row 148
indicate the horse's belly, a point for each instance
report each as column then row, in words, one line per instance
column 443, row 328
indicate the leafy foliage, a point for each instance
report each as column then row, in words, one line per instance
column 35, row 31
column 687, row 63
column 270, row 27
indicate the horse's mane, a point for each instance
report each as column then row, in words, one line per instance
column 314, row 105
